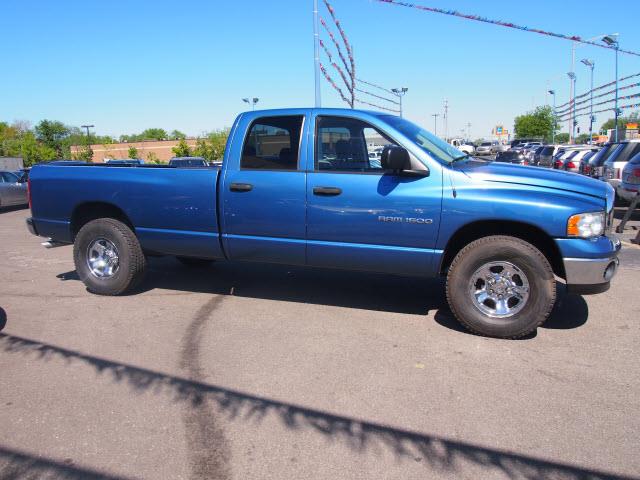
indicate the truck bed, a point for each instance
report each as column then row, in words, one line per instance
column 174, row 210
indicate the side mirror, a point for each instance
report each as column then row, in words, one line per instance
column 395, row 158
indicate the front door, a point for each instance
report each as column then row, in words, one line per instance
column 263, row 192
column 360, row 216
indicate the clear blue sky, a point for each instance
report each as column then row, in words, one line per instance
column 128, row 65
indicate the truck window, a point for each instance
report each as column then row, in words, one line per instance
column 347, row 144
column 272, row 144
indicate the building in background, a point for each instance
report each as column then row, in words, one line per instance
column 11, row 163
column 147, row 150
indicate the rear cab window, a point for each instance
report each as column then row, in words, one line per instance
column 273, row 143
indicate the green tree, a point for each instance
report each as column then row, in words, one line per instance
column 182, row 149
column 622, row 121
column 177, row 135
column 562, row 138
column 582, row 138
column 53, row 134
column 133, row 152
column 152, row 158
column 203, row 149
column 218, row 142
column 33, row 152
column 539, row 123
column 154, row 134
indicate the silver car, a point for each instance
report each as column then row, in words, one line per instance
column 486, row 148
column 13, row 191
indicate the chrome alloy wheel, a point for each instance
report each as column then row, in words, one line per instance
column 102, row 258
column 499, row 289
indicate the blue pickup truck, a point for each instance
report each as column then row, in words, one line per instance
column 300, row 186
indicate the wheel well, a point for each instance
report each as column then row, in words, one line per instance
column 529, row 233
column 89, row 211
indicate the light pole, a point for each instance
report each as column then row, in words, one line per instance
column 591, row 64
column 553, row 126
column 612, row 41
column 574, row 122
column 399, row 92
column 316, row 50
column 251, row 101
column 435, row 123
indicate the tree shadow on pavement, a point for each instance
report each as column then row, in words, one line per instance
column 18, row 465
column 436, row 453
column 3, row 318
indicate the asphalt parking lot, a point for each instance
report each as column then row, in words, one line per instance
column 270, row 372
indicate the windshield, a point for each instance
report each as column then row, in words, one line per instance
column 434, row 146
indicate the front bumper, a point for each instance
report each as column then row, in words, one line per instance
column 592, row 275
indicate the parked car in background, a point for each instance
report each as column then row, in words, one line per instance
column 613, row 166
column 545, row 157
column 13, row 190
column 485, row 149
column 584, row 161
column 463, row 146
column 572, row 162
column 188, row 162
column 502, row 147
column 596, row 164
column 511, row 157
column 23, row 174
column 530, row 151
column 125, row 162
column 630, row 182
column 536, row 155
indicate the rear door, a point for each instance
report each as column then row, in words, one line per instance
column 11, row 189
column 263, row 190
column 362, row 217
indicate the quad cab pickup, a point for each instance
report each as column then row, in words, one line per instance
column 298, row 186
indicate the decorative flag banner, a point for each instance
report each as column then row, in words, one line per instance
column 610, row 92
column 623, row 107
column 600, row 88
column 348, row 68
column 627, row 97
column 478, row 18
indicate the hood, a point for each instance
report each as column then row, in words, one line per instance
column 535, row 176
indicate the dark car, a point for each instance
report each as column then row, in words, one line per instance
column 127, row 162
column 630, row 185
column 584, row 161
column 188, row 162
column 596, row 162
column 511, row 157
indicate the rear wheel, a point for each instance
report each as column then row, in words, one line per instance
column 501, row 286
column 108, row 257
column 195, row 262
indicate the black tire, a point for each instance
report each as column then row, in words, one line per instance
column 132, row 262
column 521, row 254
column 195, row 262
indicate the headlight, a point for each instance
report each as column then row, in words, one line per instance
column 586, row 225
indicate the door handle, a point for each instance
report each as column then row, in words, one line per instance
column 327, row 191
column 241, row 187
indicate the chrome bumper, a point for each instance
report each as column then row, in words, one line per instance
column 592, row 275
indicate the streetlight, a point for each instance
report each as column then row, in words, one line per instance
column 612, row 41
column 591, row 64
column 251, row 101
column 572, row 76
column 435, row 123
column 553, row 127
column 399, row 92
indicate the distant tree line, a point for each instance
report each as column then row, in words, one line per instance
column 52, row 140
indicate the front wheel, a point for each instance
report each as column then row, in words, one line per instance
column 108, row 257
column 501, row 287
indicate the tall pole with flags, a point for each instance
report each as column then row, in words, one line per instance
column 316, row 49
